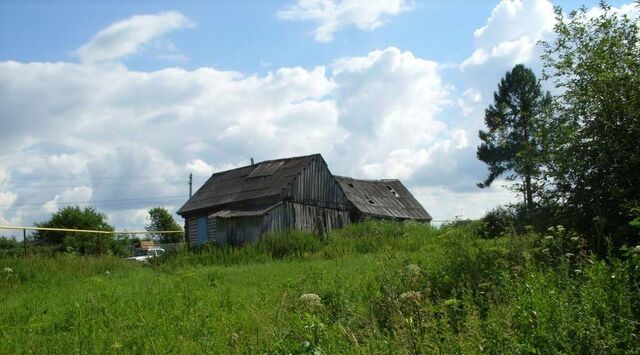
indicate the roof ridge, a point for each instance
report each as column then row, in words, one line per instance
column 265, row 161
column 285, row 172
column 366, row 180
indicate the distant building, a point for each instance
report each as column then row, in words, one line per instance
column 239, row 205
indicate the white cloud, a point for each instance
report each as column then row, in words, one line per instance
column 511, row 33
column 333, row 15
column 444, row 204
column 74, row 194
column 388, row 101
column 6, row 200
column 127, row 134
column 630, row 10
column 127, row 36
column 110, row 132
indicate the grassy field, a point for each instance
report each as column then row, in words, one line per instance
column 370, row 288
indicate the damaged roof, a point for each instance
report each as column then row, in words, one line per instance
column 387, row 198
column 252, row 182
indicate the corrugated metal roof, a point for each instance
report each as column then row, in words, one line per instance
column 241, row 184
column 229, row 213
column 383, row 198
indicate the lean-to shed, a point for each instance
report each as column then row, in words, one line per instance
column 239, row 205
column 381, row 199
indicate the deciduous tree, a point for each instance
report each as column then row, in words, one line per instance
column 594, row 164
column 161, row 220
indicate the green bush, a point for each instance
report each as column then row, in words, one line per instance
column 497, row 222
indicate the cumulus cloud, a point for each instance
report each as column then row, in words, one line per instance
column 138, row 134
column 7, row 199
column 128, row 36
column 75, row 194
column 109, row 133
column 333, row 15
column 509, row 37
column 388, row 102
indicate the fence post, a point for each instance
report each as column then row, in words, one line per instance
column 24, row 239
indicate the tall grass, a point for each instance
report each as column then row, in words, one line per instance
column 383, row 288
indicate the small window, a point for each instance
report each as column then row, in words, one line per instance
column 393, row 192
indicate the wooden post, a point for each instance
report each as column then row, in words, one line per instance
column 24, row 239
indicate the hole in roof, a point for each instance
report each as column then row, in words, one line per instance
column 392, row 191
column 350, row 185
column 369, row 200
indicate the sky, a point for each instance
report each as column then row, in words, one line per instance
column 113, row 103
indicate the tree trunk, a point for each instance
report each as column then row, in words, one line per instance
column 528, row 192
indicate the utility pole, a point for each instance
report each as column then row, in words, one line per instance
column 190, row 183
column 24, row 238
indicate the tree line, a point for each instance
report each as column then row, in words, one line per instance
column 89, row 218
column 573, row 155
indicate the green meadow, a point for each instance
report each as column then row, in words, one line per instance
column 372, row 288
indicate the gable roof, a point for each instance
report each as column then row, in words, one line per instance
column 252, row 182
column 382, row 198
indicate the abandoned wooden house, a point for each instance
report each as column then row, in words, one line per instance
column 381, row 199
column 239, row 205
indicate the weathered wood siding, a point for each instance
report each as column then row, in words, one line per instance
column 316, row 186
column 237, row 230
column 316, row 219
column 241, row 230
column 192, row 230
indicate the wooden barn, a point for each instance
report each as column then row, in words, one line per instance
column 381, row 199
column 239, row 205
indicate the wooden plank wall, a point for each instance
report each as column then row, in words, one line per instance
column 241, row 230
column 316, row 186
column 238, row 230
column 192, row 227
column 292, row 215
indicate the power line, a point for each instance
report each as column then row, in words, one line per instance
column 100, row 185
column 96, row 201
column 144, row 177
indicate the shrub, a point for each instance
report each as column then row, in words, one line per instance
column 498, row 221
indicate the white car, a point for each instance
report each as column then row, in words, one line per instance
column 144, row 255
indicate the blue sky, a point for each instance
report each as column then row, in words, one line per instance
column 113, row 103
column 245, row 36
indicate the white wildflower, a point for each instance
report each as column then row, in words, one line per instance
column 560, row 228
column 577, row 271
column 637, row 249
column 414, row 269
column 311, row 300
column 548, row 237
column 8, row 270
column 107, row 272
column 411, row 295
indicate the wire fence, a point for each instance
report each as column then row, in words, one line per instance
column 25, row 240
